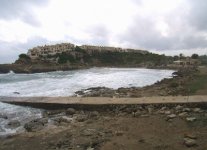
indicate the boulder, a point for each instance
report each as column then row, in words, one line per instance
column 167, row 112
column 171, row 116
column 164, row 108
column 81, row 118
column 137, row 113
column 189, row 142
column 186, row 110
column 161, row 112
column 52, row 113
column 190, row 135
column 183, row 114
column 197, row 110
column 178, row 108
column 70, row 111
column 63, row 119
column 96, row 91
column 13, row 124
column 35, row 125
column 150, row 110
column 94, row 114
column 190, row 119
column 89, row 132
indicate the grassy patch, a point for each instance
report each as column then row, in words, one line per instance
column 174, row 84
column 199, row 82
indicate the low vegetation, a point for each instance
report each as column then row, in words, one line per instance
column 203, row 59
column 113, row 58
column 199, row 82
column 23, row 56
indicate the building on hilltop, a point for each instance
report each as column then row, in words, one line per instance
column 136, row 51
column 100, row 48
column 186, row 62
column 46, row 50
column 91, row 49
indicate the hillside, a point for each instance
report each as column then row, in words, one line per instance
column 58, row 57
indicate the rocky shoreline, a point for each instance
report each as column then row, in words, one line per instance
column 48, row 67
column 37, row 68
column 166, row 87
column 98, row 129
column 27, row 66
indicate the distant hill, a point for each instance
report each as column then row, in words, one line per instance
column 67, row 56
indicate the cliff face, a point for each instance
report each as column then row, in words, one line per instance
column 83, row 58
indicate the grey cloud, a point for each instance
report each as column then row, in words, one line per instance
column 147, row 37
column 192, row 42
column 99, row 35
column 32, row 42
column 12, row 9
column 7, row 52
column 142, row 33
column 198, row 15
column 30, row 19
column 10, row 51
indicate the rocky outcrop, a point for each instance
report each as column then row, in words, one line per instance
column 70, row 111
column 36, row 125
column 37, row 68
column 96, row 91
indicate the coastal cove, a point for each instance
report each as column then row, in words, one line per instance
column 66, row 83
column 37, row 123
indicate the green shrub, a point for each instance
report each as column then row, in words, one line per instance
column 78, row 49
column 174, row 84
column 64, row 58
column 24, row 56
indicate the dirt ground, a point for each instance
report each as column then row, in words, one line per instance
column 117, row 130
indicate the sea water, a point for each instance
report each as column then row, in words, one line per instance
column 16, row 113
column 65, row 83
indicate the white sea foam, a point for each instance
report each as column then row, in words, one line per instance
column 22, row 114
column 66, row 83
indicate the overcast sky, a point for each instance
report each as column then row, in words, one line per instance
column 163, row 26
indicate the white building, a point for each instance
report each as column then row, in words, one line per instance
column 46, row 50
